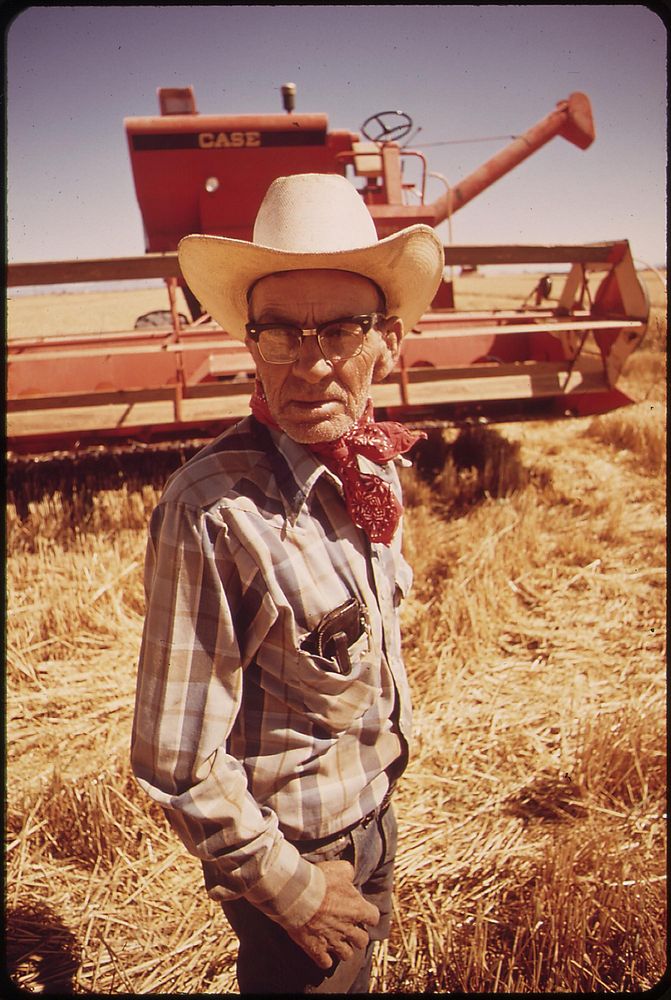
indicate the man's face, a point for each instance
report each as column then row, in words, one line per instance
column 314, row 400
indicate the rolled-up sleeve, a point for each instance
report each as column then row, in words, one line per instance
column 189, row 692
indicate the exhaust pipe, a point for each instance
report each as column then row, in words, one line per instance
column 288, row 97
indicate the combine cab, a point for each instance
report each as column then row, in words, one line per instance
column 180, row 378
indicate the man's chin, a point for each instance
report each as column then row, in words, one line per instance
column 317, row 431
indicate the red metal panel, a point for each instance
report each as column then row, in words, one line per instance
column 208, row 173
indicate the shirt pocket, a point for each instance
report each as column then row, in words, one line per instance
column 329, row 698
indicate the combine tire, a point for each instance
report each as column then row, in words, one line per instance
column 158, row 319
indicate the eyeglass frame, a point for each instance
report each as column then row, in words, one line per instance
column 366, row 321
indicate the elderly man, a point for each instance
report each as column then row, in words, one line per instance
column 272, row 715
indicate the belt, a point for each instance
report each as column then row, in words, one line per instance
column 377, row 813
column 307, row 846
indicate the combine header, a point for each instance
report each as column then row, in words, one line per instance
column 177, row 378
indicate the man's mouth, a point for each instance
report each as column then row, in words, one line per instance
column 314, row 404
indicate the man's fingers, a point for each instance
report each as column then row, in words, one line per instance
column 343, row 950
column 321, row 958
column 359, row 937
column 367, row 913
column 314, row 947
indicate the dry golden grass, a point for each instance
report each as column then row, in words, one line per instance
column 535, row 796
column 639, row 430
column 532, row 815
column 84, row 312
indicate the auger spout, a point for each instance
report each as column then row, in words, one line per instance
column 571, row 119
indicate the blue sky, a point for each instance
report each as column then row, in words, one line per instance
column 461, row 72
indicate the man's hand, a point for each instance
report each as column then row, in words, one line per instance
column 336, row 928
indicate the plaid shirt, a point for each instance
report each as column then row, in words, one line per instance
column 248, row 741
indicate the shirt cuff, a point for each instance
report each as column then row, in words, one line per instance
column 289, row 891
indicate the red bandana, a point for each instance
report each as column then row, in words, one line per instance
column 370, row 501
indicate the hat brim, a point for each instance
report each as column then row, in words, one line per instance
column 407, row 266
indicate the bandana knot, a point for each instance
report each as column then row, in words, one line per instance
column 370, row 501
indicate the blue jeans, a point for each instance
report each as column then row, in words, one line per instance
column 270, row 962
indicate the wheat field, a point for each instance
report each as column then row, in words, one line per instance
column 532, row 816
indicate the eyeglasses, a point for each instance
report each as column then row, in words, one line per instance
column 338, row 339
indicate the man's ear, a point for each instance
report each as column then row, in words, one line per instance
column 253, row 350
column 391, row 346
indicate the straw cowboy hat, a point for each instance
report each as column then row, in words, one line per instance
column 311, row 221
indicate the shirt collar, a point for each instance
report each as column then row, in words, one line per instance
column 296, row 470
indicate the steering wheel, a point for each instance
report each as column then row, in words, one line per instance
column 387, row 126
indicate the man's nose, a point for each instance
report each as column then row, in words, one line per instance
column 311, row 365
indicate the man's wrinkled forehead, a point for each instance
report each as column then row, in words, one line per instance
column 327, row 274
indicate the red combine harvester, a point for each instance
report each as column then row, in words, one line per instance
column 176, row 378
